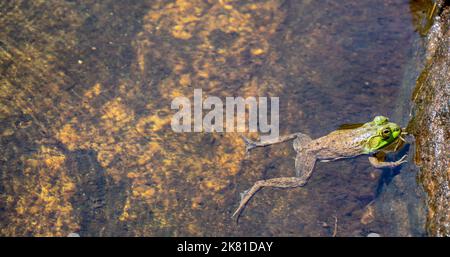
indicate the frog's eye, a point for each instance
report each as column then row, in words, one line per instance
column 386, row 133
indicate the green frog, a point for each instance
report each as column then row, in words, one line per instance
column 374, row 138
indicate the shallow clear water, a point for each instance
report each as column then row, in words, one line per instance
column 85, row 113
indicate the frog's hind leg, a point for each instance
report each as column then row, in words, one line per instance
column 305, row 160
column 249, row 144
column 303, row 170
column 304, row 165
column 285, row 182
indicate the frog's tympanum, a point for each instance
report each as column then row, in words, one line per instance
column 374, row 138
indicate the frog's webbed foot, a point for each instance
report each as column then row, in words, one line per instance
column 245, row 197
column 380, row 164
column 249, row 145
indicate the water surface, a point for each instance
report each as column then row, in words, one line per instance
column 85, row 113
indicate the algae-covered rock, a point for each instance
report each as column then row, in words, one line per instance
column 431, row 124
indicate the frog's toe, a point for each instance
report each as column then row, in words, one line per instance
column 244, row 200
column 403, row 159
column 244, row 193
column 249, row 144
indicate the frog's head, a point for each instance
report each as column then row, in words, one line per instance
column 384, row 133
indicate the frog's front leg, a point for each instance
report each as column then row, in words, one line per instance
column 378, row 162
column 249, row 144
